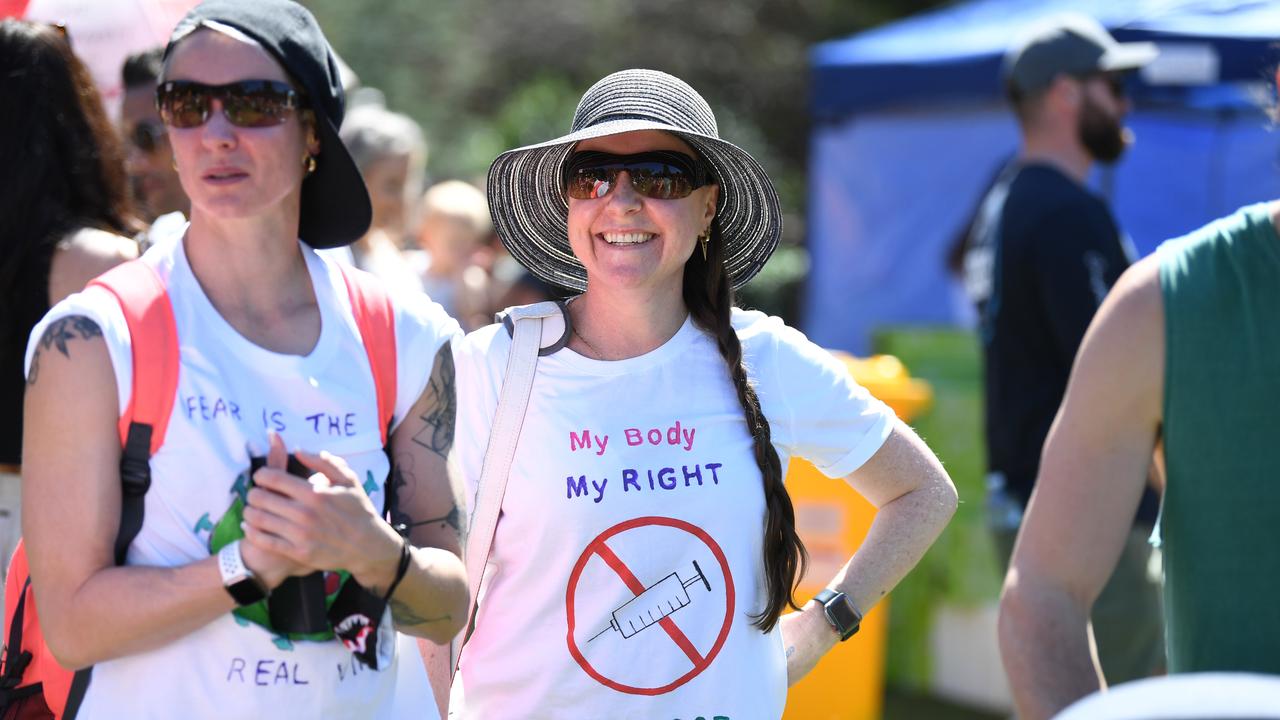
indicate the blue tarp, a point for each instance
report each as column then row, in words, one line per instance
column 955, row 52
column 911, row 128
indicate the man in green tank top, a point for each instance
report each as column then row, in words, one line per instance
column 1183, row 360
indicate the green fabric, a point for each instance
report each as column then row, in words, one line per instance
column 1221, row 517
column 227, row 530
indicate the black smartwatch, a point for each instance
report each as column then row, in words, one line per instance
column 840, row 612
column 243, row 586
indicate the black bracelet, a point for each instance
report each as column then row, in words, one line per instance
column 403, row 568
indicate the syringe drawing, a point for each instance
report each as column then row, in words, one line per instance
column 658, row 601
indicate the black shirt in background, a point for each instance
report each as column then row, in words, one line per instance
column 27, row 304
column 1043, row 253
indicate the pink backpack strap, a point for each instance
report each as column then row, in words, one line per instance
column 376, row 320
column 153, row 334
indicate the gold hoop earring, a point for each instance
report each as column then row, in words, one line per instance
column 310, row 164
column 702, row 239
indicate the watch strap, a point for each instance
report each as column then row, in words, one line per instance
column 840, row 612
column 240, row 582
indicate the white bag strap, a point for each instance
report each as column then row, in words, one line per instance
column 538, row 329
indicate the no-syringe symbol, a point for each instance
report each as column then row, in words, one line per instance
column 640, row 620
column 657, row 601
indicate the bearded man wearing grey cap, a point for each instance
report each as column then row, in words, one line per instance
column 1043, row 253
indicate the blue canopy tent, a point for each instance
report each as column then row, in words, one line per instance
column 910, row 128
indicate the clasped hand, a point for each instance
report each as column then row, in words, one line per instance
column 296, row 526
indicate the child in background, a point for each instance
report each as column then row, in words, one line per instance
column 453, row 226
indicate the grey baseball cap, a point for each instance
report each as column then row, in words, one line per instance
column 1069, row 44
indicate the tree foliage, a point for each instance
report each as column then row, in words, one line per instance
column 488, row 75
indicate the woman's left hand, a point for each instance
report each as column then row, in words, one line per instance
column 806, row 637
column 326, row 521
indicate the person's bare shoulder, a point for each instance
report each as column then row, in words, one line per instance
column 83, row 255
column 1141, row 284
column 1129, row 327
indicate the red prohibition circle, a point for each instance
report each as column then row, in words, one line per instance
column 593, row 547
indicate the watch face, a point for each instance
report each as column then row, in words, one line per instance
column 839, row 610
column 842, row 613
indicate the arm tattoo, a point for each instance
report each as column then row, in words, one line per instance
column 57, row 335
column 403, row 483
column 400, row 519
column 453, row 519
column 439, row 420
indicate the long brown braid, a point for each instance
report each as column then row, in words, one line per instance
column 709, row 297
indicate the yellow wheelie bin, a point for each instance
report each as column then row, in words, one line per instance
column 848, row 684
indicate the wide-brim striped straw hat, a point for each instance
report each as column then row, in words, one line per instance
column 526, row 185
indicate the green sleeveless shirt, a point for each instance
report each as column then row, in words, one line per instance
column 1220, row 521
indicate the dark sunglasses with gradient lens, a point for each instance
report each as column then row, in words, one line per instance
column 246, row 104
column 658, row 174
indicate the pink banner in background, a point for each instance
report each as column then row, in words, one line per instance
column 13, row 8
column 103, row 34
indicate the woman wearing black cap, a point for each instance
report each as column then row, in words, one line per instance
column 271, row 355
column 647, row 550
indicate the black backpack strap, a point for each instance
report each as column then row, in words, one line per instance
column 135, row 480
column 14, row 665
column 79, row 684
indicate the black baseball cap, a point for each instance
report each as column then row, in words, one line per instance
column 1071, row 45
column 335, row 203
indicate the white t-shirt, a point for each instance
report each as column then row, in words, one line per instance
column 230, row 393
column 628, row 554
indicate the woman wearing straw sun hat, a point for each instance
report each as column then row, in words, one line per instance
column 256, row 581
column 646, row 550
